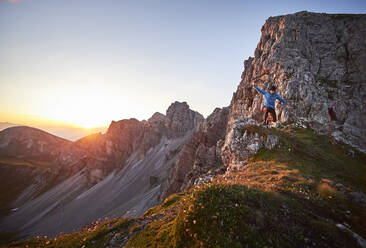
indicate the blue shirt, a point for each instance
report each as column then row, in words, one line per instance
column 269, row 99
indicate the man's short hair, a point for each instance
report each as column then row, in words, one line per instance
column 273, row 88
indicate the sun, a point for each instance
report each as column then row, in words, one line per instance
column 82, row 110
column 88, row 124
column 94, row 107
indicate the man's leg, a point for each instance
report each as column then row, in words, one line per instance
column 265, row 115
column 273, row 113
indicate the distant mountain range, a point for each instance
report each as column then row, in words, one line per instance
column 4, row 125
column 66, row 132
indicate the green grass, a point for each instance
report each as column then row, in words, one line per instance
column 315, row 156
column 233, row 215
column 14, row 181
column 24, row 162
column 168, row 203
column 238, row 216
column 93, row 236
column 157, row 234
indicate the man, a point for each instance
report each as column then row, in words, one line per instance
column 270, row 98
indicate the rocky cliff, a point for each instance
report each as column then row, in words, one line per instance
column 201, row 155
column 318, row 63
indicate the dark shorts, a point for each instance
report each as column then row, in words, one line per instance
column 271, row 111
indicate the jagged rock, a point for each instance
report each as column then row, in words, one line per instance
column 241, row 143
column 155, row 128
column 122, row 138
column 181, row 119
column 271, row 142
column 317, row 62
column 153, row 180
column 201, row 154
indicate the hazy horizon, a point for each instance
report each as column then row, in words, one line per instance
column 82, row 64
column 72, row 133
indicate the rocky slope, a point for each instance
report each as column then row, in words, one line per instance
column 122, row 172
column 201, row 155
column 35, row 155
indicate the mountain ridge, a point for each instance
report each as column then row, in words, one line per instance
column 95, row 163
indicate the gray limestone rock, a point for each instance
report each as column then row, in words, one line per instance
column 241, row 143
column 271, row 142
column 317, row 61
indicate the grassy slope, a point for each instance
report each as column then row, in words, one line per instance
column 13, row 182
column 94, row 235
column 284, row 198
column 12, row 176
column 24, row 162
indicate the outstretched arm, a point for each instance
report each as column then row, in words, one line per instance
column 258, row 89
column 281, row 99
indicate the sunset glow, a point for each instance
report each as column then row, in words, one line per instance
column 87, row 110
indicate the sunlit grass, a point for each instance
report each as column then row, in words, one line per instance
column 93, row 235
column 24, row 162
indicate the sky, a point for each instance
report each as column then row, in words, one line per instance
column 85, row 63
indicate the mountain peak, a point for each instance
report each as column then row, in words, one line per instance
column 182, row 119
column 29, row 142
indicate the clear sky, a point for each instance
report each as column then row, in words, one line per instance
column 87, row 62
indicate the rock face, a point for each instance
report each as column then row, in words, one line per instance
column 318, row 63
column 202, row 154
column 244, row 140
column 181, row 119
